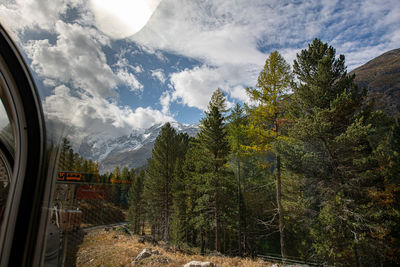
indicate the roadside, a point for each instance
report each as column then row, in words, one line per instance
column 113, row 246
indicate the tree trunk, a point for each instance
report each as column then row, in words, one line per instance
column 244, row 216
column 356, row 255
column 280, row 209
column 216, row 214
column 278, row 199
column 217, row 246
column 167, row 222
column 202, row 243
column 239, row 197
column 223, row 227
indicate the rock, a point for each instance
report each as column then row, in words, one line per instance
column 145, row 253
column 200, row 264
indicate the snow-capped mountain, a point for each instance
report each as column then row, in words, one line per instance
column 129, row 150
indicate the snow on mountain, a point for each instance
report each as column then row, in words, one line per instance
column 129, row 150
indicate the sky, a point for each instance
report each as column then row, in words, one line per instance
column 106, row 74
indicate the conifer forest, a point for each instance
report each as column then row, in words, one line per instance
column 308, row 168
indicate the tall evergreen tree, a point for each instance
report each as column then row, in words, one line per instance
column 196, row 166
column 136, row 203
column 63, row 161
column 124, row 186
column 266, row 117
column 213, row 137
column 180, row 217
column 77, row 167
column 331, row 147
column 115, row 189
column 158, row 184
column 237, row 137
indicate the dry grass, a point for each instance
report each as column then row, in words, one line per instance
column 100, row 248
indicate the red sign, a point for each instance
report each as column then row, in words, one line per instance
column 69, row 176
column 91, row 192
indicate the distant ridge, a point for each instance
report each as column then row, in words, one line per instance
column 131, row 150
column 381, row 77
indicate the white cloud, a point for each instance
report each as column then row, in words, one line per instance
column 165, row 100
column 49, row 82
column 138, row 69
column 158, row 74
column 41, row 14
column 194, row 87
column 230, row 32
column 230, row 39
column 76, row 58
column 130, row 80
column 123, row 62
column 208, row 31
column 94, row 115
column 239, row 92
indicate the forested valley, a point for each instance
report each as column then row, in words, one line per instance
column 307, row 169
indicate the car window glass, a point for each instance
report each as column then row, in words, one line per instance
column 6, row 141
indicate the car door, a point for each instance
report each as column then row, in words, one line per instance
column 25, row 187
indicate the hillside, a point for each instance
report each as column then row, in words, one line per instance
column 116, row 248
column 381, row 77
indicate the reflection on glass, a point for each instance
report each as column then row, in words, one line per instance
column 6, row 134
column 6, row 149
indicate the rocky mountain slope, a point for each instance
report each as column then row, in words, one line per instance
column 130, row 150
column 381, row 77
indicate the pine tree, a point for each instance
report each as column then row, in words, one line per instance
column 213, row 137
column 331, row 146
column 266, row 117
column 96, row 172
column 197, row 190
column 159, row 180
column 115, row 190
column 77, row 167
column 136, row 203
column 180, row 219
column 124, row 186
column 65, row 148
column 69, row 164
column 237, row 136
column 85, row 167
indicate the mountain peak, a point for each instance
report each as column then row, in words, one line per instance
column 128, row 150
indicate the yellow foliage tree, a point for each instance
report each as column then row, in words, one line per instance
column 266, row 114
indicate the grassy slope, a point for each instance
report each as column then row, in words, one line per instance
column 100, row 248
